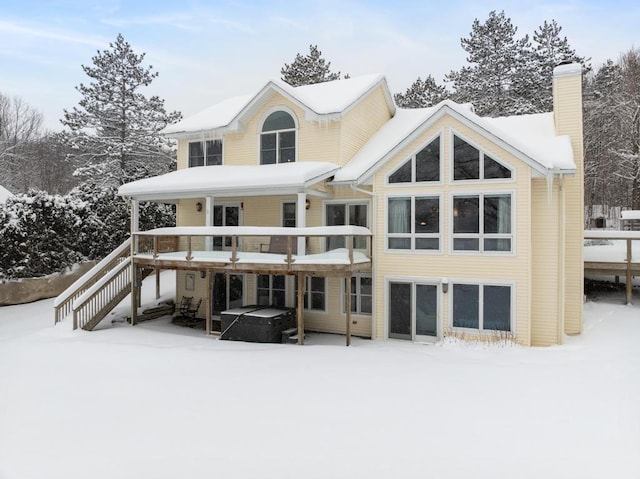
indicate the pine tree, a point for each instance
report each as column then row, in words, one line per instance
column 496, row 60
column 115, row 131
column 550, row 50
column 421, row 94
column 309, row 69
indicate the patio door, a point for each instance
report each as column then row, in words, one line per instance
column 413, row 310
column 225, row 215
column 228, row 292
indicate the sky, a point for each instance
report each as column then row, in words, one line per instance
column 206, row 51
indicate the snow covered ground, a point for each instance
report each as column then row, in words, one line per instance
column 161, row 401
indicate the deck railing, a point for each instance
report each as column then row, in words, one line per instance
column 96, row 302
column 619, row 266
column 190, row 241
column 63, row 303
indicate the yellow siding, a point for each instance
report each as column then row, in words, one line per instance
column 568, row 116
column 361, row 122
column 545, row 278
column 511, row 268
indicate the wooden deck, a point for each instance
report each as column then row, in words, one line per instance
column 616, row 266
column 239, row 250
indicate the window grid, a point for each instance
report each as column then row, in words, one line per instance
column 278, row 139
column 205, row 153
column 472, row 164
column 361, row 291
column 483, row 307
column 412, row 230
column 480, row 238
column 422, row 167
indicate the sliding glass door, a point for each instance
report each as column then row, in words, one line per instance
column 412, row 310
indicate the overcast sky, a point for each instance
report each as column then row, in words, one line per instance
column 207, row 51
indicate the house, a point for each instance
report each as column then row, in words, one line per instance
column 377, row 221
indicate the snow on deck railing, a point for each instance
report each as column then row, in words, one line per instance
column 245, row 244
column 62, row 304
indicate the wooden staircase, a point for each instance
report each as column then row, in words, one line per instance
column 98, row 291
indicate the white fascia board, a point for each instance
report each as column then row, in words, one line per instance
column 445, row 109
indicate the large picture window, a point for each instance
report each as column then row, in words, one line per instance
column 469, row 163
column 278, row 139
column 422, row 167
column 413, row 223
column 482, row 223
column 205, row 153
column 482, row 307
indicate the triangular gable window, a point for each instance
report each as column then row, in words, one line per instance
column 469, row 163
column 421, row 167
column 493, row 169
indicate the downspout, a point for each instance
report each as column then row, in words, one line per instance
column 561, row 259
column 374, row 224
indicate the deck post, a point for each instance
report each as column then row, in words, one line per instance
column 301, row 221
column 348, row 307
column 629, row 285
column 158, row 283
column 207, row 315
column 134, row 293
column 300, row 308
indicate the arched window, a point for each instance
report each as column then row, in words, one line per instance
column 278, row 139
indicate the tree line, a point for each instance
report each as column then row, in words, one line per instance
column 507, row 74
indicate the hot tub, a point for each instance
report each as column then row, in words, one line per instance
column 258, row 324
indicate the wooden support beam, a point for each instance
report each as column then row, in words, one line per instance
column 158, row 283
column 629, row 275
column 209, row 301
column 134, row 294
column 300, row 309
column 348, row 307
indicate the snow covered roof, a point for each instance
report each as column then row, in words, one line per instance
column 255, row 180
column 327, row 100
column 531, row 138
column 5, row 194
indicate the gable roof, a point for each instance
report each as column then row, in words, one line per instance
column 531, row 138
column 254, row 180
column 321, row 101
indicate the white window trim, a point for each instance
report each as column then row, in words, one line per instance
column 204, row 149
column 482, row 236
column 343, row 292
column 412, row 195
column 282, row 203
column 296, row 129
column 482, row 284
column 307, row 291
column 286, row 287
column 482, row 151
column 347, row 203
column 412, row 158
column 414, row 280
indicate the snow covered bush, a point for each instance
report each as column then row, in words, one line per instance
column 36, row 235
column 42, row 234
